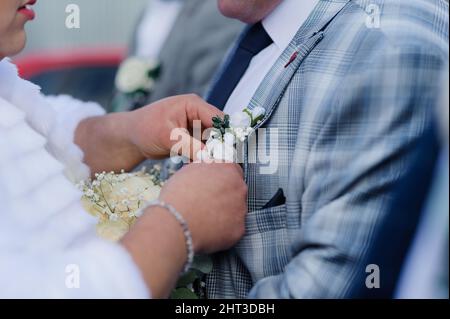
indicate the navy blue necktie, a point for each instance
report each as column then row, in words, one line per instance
column 253, row 42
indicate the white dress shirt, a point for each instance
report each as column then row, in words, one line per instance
column 155, row 27
column 281, row 24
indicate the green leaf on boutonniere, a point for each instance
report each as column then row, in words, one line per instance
column 226, row 121
column 187, row 279
column 220, row 124
column 204, row 264
column 183, row 293
column 155, row 72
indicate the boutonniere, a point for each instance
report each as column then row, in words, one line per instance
column 228, row 133
column 136, row 79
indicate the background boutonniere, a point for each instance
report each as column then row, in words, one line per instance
column 135, row 81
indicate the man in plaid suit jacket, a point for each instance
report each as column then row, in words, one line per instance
column 349, row 97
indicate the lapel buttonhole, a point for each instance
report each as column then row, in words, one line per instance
column 292, row 59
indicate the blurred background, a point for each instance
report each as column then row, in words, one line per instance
column 103, row 23
column 80, row 62
column 83, row 62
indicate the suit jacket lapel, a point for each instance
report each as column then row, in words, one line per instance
column 274, row 85
column 308, row 36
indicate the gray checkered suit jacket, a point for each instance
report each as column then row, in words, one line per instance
column 348, row 111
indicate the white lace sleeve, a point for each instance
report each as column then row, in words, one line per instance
column 69, row 113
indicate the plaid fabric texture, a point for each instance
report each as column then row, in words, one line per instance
column 347, row 113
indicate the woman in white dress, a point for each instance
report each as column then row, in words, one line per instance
column 47, row 144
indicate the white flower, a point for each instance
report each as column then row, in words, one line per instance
column 240, row 119
column 211, row 143
column 214, row 134
column 242, row 133
column 133, row 75
column 89, row 193
column 229, row 139
column 224, row 152
column 114, row 217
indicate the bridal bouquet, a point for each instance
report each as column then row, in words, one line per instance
column 116, row 199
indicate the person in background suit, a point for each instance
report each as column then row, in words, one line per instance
column 348, row 86
column 411, row 248
column 189, row 38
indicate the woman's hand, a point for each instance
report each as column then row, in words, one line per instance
column 123, row 140
column 157, row 127
column 213, row 200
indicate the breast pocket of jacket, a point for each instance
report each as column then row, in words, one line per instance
column 264, row 250
column 266, row 220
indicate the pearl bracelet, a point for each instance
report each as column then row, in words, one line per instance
column 184, row 225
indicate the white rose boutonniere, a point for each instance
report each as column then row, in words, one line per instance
column 134, row 82
column 136, row 74
column 228, row 133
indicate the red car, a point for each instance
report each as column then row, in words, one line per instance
column 86, row 74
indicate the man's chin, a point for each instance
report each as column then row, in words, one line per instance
column 232, row 9
column 239, row 16
column 246, row 12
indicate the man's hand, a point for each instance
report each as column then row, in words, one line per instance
column 123, row 140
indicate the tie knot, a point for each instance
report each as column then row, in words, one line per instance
column 256, row 39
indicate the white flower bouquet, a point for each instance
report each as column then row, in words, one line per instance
column 116, row 200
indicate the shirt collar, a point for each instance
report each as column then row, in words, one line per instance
column 283, row 23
